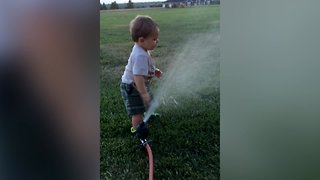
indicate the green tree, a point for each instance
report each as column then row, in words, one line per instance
column 114, row 5
column 130, row 5
column 103, row 6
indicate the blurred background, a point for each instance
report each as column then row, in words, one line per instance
column 49, row 89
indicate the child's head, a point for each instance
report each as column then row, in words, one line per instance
column 144, row 31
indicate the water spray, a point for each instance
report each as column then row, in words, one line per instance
column 154, row 105
column 187, row 75
column 194, row 69
column 174, row 100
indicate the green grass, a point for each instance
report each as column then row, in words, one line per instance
column 185, row 142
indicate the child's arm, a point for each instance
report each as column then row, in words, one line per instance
column 141, row 87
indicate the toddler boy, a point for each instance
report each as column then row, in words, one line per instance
column 139, row 71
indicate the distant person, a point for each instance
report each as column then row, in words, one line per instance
column 139, row 71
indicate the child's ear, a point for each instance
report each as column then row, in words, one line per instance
column 141, row 39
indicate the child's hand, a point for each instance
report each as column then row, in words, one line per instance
column 146, row 99
column 158, row 73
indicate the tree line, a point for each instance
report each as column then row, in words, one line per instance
column 114, row 5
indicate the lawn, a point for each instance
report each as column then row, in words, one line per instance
column 185, row 142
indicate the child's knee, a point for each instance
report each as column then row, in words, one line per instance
column 137, row 117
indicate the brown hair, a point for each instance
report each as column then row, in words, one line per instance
column 142, row 26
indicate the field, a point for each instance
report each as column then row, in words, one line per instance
column 185, row 142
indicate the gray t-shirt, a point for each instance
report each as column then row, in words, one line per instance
column 139, row 63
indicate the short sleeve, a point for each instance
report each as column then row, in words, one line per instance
column 140, row 65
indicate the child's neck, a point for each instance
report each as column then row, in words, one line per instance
column 140, row 45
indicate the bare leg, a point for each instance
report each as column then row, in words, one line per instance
column 137, row 119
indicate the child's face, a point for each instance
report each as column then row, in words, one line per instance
column 150, row 42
